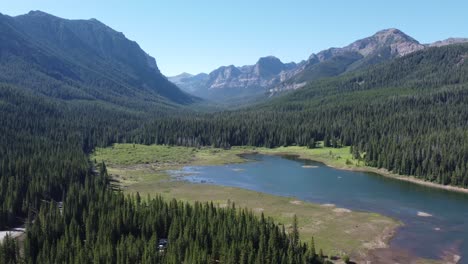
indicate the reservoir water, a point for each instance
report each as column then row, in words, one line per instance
column 435, row 220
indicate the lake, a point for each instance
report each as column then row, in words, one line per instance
column 435, row 220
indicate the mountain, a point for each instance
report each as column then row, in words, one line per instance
column 263, row 74
column 228, row 82
column 180, row 77
column 433, row 70
column 382, row 46
column 188, row 82
column 270, row 76
column 80, row 60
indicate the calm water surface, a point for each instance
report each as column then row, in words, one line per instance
column 445, row 231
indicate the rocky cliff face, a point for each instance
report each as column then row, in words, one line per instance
column 231, row 80
column 263, row 74
column 86, row 37
column 397, row 42
column 82, row 59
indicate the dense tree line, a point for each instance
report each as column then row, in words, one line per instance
column 408, row 116
column 44, row 166
column 43, row 148
column 97, row 225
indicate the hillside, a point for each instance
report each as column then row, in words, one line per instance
column 428, row 70
column 81, row 60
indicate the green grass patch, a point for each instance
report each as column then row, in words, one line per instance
column 134, row 154
column 336, row 157
column 128, row 154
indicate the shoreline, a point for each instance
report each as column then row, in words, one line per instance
column 382, row 252
column 315, row 218
column 150, row 175
column 381, row 242
column 407, row 178
column 381, row 172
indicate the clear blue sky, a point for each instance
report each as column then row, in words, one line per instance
column 199, row 36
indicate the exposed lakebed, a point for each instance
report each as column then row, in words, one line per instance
column 435, row 220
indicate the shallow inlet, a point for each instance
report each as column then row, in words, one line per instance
column 434, row 219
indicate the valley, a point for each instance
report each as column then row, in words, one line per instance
column 357, row 153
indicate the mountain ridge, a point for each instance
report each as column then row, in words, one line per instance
column 80, row 59
column 267, row 71
column 382, row 46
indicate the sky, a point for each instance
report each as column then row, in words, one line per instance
column 199, row 35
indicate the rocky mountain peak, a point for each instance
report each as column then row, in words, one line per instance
column 183, row 75
column 38, row 13
column 226, row 72
column 391, row 32
column 268, row 66
column 399, row 43
column 268, row 60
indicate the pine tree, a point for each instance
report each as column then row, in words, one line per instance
column 295, row 233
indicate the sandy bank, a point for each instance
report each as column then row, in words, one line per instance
column 15, row 232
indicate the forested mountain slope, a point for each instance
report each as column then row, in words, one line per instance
column 80, row 60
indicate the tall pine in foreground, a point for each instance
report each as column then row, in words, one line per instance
column 9, row 251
